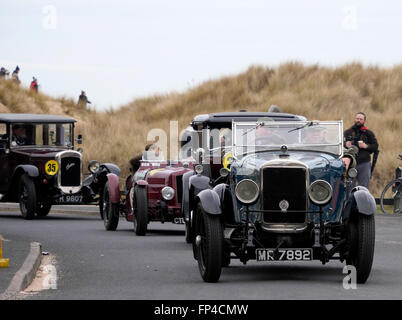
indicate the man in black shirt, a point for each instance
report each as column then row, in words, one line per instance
column 366, row 141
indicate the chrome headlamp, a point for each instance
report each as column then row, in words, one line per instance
column 198, row 169
column 320, row 192
column 167, row 193
column 247, row 191
column 93, row 166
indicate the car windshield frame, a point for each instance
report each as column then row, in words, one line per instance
column 45, row 135
column 288, row 131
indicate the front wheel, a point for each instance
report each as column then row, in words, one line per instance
column 140, row 218
column 110, row 210
column 27, row 197
column 391, row 191
column 209, row 242
column 361, row 244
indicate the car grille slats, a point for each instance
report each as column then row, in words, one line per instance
column 70, row 172
column 284, row 184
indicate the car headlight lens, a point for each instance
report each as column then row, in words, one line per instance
column 224, row 172
column 320, row 192
column 247, row 191
column 167, row 193
column 198, row 169
column 93, row 166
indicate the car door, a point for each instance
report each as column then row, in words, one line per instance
column 5, row 174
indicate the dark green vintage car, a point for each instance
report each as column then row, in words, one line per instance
column 285, row 198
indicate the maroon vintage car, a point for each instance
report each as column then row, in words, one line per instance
column 153, row 193
column 39, row 166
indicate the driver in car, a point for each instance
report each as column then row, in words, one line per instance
column 19, row 136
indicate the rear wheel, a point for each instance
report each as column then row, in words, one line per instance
column 27, row 197
column 140, row 218
column 361, row 245
column 110, row 210
column 209, row 242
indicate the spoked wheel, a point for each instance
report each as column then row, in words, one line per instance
column 391, row 191
column 27, row 197
column 43, row 209
column 361, row 238
column 209, row 243
column 140, row 218
column 110, row 210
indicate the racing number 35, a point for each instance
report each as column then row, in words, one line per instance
column 51, row 167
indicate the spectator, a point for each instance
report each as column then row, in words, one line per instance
column 34, row 85
column 366, row 142
column 3, row 73
column 14, row 75
column 83, row 99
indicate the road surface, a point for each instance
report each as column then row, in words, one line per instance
column 96, row 264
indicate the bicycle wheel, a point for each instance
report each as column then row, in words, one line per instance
column 391, row 190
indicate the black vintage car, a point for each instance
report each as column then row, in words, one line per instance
column 39, row 166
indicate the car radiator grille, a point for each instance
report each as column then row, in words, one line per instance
column 70, row 170
column 284, row 184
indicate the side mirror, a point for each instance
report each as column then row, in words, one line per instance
column 79, row 139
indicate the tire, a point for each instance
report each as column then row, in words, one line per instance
column 362, row 241
column 27, row 197
column 110, row 210
column 140, row 218
column 388, row 192
column 210, row 250
column 43, row 209
column 101, row 202
column 189, row 236
column 189, row 232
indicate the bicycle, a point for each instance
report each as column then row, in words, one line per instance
column 392, row 193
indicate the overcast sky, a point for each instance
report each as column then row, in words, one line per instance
column 120, row 50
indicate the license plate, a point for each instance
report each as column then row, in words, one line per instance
column 70, row 199
column 284, row 254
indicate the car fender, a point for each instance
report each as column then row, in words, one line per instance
column 30, row 170
column 114, row 188
column 112, row 168
column 186, row 195
column 210, row 201
column 360, row 201
column 365, row 202
column 141, row 183
column 199, row 182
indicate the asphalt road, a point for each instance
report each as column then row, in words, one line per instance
column 95, row 264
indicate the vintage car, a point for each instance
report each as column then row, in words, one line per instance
column 214, row 135
column 285, row 200
column 40, row 168
column 153, row 193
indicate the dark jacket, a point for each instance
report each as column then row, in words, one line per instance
column 355, row 134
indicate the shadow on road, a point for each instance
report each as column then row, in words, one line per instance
column 50, row 217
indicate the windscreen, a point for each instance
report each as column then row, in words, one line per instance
column 320, row 136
